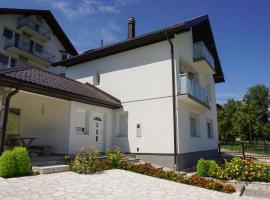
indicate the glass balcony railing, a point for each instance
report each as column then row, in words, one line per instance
column 192, row 88
column 200, row 52
column 34, row 26
column 24, row 44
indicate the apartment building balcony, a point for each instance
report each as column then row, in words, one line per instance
column 192, row 93
column 35, row 29
column 203, row 59
column 24, row 48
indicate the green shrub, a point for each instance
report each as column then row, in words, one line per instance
column 87, row 162
column 7, row 164
column 23, row 166
column 202, row 167
column 114, row 155
column 212, row 168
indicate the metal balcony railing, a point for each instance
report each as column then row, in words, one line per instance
column 191, row 87
column 30, row 23
column 24, row 44
column 200, row 52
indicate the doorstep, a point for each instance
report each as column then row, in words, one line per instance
column 50, row 169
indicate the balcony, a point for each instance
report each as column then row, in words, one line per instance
column 192, row 93
column 203, row 59
column 23, row 47
column 35, row 29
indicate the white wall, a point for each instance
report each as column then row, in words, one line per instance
column 78, row 119
column 141, row 79
column 11, row 21
column 51, row 127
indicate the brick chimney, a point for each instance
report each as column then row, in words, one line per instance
column 131, row 27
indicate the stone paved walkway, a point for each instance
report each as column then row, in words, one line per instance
column 113, row 184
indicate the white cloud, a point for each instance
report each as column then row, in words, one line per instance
column 89, row 38
column 85, row 7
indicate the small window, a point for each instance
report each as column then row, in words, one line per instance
column 209, row 125
column 8, row 34
column 97, row 119
column 138, row 130
column 194, row 123
column 38, row 48
column 3, row 61
column 81, row 131
column 64, row 56
column 123, row 124
column 96, row 78
column 13, row 62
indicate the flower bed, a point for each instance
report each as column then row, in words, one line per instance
column 236, row 169
column 87, row 162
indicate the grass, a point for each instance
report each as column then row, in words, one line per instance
column 260, row 149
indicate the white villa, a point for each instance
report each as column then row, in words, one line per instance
column 153, row 95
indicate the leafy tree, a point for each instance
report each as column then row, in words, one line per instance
column 259, row 97
column 225, row 125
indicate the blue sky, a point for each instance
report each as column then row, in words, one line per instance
column 241, row 30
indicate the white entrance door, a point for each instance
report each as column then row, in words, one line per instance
column 98, row 132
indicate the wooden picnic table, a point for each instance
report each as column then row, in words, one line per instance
column 26, row 141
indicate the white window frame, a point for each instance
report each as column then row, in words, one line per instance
column 96, row 78
column 138, row 130
column 197, row 125
column 121, row 134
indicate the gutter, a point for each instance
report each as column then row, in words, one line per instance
column 5, row 120
column 174, row 101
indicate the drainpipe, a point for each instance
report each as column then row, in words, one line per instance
column 5, row 120
column 174, row 102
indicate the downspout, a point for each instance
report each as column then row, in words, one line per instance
column 174, row 101
column 5, row 120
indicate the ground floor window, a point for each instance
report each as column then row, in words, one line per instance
column 13, row 126
column 209, row 125
column 194, row 125
column 123, row 124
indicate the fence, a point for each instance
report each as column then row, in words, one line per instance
column 260, row 152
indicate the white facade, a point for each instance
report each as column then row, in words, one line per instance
column 22, row 44
column 142, row 79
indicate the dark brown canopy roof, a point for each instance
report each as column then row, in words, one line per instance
column 36, row 80
column 201, row 31
column 51, row 21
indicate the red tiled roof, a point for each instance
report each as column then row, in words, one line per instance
column 37, row 80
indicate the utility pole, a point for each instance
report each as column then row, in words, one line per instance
column 249, row 125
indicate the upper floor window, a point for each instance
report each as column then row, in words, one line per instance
column 13, row 62
column 96, row 78
column 8, row 34
column 3, row 61
column 38, row 48
column 209, row 125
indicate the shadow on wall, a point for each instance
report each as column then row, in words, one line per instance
column 138, row 57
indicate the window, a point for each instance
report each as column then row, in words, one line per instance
column 13, row 125
column 96, row 78
column 80, row 131
column 13, row 62
column 38, row 48
column 8, row 34
column 64, row 56
column 209, row 125
column 194, row 123
column 3, row 61
column 138, row 130
column 123, row 124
